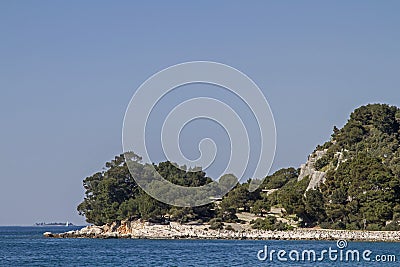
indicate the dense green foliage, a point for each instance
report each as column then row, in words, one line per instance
column 362, row 187
column 364, row 190
column 269, row 223
column 216, row 224
column 113, row 194
column 280, row 178
column 361, row 190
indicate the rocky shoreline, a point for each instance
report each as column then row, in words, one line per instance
column 144, row 230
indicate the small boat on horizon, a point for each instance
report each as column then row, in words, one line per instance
column 66, row 224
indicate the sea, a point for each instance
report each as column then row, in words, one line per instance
column 26, row 246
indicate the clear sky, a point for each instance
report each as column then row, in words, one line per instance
column 69, row 68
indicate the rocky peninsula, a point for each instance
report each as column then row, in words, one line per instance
column 139, row 229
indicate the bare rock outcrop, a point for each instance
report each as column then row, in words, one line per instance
column 308, row 169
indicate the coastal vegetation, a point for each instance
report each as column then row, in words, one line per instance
column 360, row 189
column 113, row 195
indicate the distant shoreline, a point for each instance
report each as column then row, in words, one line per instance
column 145, row 230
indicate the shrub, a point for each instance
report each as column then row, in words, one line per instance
column 229, row 228
column 373, row 227
column 216, row 224
column 322, row 162
column 353, row 226
column 338, row 226
column 325, row 225
column 269, row 223
column 393, row 226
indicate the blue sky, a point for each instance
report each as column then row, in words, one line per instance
column 69, row 68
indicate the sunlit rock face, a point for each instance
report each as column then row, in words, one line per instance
column 308, row 169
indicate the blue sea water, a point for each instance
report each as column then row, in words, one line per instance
column 26, row 246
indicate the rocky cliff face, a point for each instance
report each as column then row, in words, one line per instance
column 308, row 169
column 318, row 177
